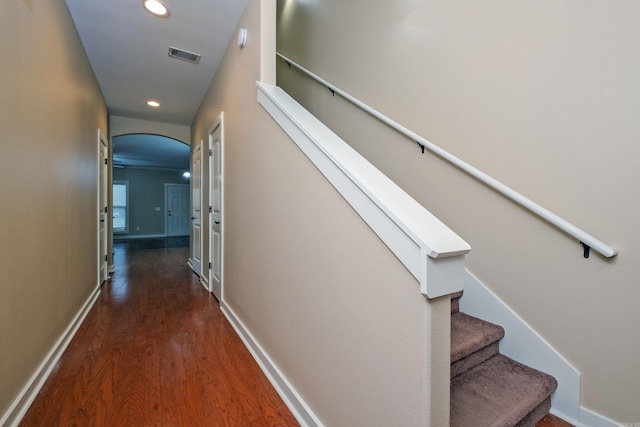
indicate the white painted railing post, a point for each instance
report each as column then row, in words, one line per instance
column 439, row 276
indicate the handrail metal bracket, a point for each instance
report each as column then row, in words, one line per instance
column 586, row 249
column 421, row 146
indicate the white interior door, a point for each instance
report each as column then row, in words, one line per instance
column 196, row 210
column 215, row 209
column 177, row 209
column 102, row 207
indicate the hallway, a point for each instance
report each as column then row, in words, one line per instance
column 155, row 350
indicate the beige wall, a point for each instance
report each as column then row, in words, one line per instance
column 544, row 97
column 50, row 108
column 146, row 192
column 127, row 125
column 330, row 304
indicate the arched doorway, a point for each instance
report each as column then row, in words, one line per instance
column 151, row 196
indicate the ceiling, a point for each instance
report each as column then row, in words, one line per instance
column 128, row 50
column 141, row 150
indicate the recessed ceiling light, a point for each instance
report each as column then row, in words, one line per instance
column 156, row 7
column 154, row 104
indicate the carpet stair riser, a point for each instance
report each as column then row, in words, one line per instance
column 487, row 388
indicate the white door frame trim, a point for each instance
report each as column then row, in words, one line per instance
column 192, row 262
column 102, row 141
column 219, row 123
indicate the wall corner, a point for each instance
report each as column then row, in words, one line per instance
column 268, row 41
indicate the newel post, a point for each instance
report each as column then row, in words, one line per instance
column 441, row 276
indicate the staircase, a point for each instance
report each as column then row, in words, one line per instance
column 487, row 388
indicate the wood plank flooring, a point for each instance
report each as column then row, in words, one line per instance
column 156, row 350
column 553, row 421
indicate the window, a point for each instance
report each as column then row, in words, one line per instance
column 120, row 206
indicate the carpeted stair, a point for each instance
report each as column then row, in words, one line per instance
column 487, row 388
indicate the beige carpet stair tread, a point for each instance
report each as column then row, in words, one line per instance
column 470, row 334
column 499, row 393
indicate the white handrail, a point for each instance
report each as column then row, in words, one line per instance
column 582, row 236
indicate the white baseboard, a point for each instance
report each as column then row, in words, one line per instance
column 588, row 418
column 26, row 397
column 522, row 343
column 289, row 395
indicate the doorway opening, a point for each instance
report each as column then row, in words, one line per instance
column 153, row 169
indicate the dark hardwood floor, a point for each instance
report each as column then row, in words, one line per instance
column 553, row 421
column 155, row 350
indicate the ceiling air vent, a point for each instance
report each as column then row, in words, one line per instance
column 184, row 55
